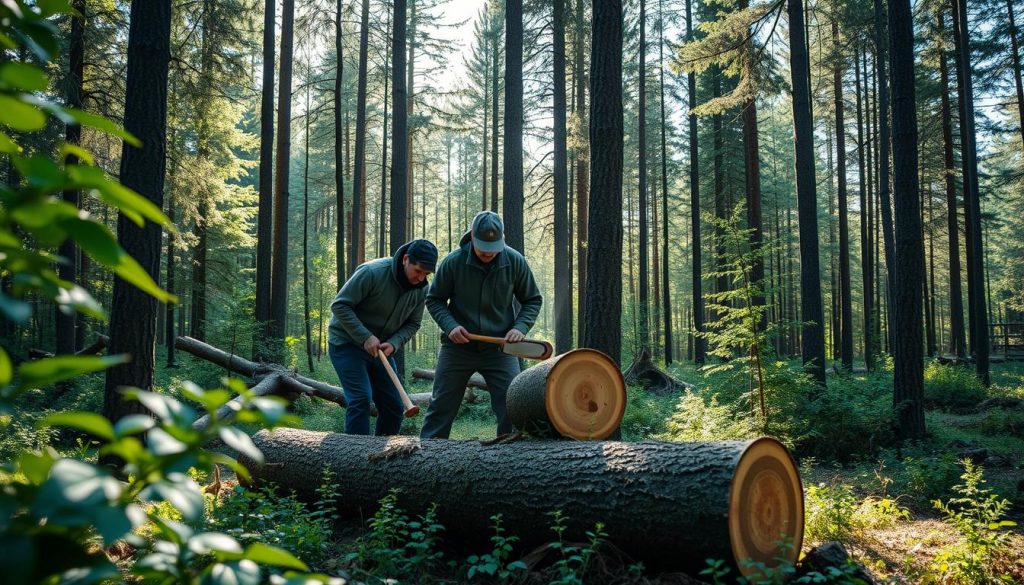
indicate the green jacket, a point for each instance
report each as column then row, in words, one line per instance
column 467, row 292
column 372, row 302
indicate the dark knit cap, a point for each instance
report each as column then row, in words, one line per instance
column 424, row 253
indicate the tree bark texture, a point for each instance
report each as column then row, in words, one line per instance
column 884, row 193
column 972, row 200
column 512, row 176
column 699, row 343
column 1015, row 59
column 811, row 314
column 265, row 215
column 133, row 325
column 666, row 504
column 603, row 330
column 957, row 334
column 279, row 279
column 339, row 158
column 908, row 374
column 65, row 322
column 357, row 254
column 563, row 264
column 582, row 177
column 846, row 311
column 667, row 313
column 643, row 211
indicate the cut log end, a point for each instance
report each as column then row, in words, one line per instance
column 589, row 397
column 766, row 508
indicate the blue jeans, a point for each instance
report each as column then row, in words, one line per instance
column 364, row 379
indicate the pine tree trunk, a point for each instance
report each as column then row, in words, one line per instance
column 400, row 131
column 279, row 282
column 811, row 315
column 512, row 177
column 908, row 375
column 486, row 26
column 673, row 506
column 603, row 330
column 264, row 223
column 170, row 287
column 667, row 311
column 357, row 248
column 884, row 199
column 410, row 95
column 65, row 323
column 339, row 159
column 751, row 155
column 846, row 320
column 699, row 343
column 642, row 212
column 383, row 219
column 957, row 335
column 582, row 177
column 133, row 325
column 563, row 264
column 866, row 258
column 305, row 243
column 1015, row 59
column 496, row 35
column 972, row 201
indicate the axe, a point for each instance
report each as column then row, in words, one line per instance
column 532, row 349
column 410, row 408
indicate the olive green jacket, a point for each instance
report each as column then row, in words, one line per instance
column 373, row 302
column 467, row 292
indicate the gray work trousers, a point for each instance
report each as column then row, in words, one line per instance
column 455, row 365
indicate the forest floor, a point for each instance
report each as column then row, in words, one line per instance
column 912, row 476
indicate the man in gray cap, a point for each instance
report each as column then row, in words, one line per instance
column 379, row 309
column 473, row 292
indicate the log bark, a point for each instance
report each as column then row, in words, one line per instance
column 669, row 505
column 579, row 394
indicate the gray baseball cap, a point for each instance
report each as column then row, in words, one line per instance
column 488, row 232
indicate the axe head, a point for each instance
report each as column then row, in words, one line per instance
column 529, row 349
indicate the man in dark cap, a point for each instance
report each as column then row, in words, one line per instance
column 474, row 292
column 377, row 310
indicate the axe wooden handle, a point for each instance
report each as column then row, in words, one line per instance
column 410, row 408
column 486, row 338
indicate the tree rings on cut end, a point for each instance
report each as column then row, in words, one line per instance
column 766, row 508
column 579, row 394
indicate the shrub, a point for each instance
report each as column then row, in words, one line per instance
column 644, row 416
column 846, row 420
column 397, row 547
column 927, row 478
column 278, row 519
column 951, row 387
column 977, row 514
column 697, row 419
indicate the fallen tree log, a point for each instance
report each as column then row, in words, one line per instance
column 269, row 379
column 670, row 505
column 579, row 394
column 475, row 381
column 97, row 346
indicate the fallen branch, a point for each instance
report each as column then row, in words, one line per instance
column 97, row 346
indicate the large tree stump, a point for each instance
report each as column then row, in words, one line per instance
column 670, row 505
column 579, row 394
column 655, row 380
